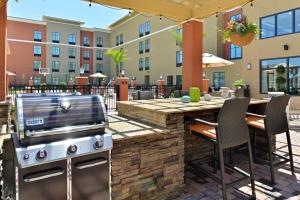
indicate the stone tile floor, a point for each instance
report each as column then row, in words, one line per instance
column 287, row 186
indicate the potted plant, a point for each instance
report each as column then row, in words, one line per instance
column 240, row 89
column 240, row 33
column 117, row 56
column 280, row 80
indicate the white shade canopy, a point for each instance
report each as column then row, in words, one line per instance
column 98, row 75
column 210, row 60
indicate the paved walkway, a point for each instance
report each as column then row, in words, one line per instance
column 287, row 186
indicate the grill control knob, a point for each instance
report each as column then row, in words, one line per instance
column 98, row 144
column 26, row 156
column 41, row 154
column 72, row 149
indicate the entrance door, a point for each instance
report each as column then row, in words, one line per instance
column 169, row 80
column 147, row 80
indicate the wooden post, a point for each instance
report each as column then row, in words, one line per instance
column 192, row 47
column 3, row 24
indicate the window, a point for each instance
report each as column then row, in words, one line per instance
column 141, row 64
column 147, row 63
column 72, row 52
column 285, row 23
column 86, row 55
column 147, row 28
column 219, row 79
column 86, row 68
column 72, row 39
column 147, row 45
column 281, row 74
column 178, row 79
column 99, row 55
column 121, row 67
column 117, row 40
column 55, row 66
column 179, row 58
column 99, row 67
column 55, row 80
column 36, row 80
column 141, row 30
column 37, row 36
column 297, row 20
column 72, row 66
column 169, row 80
column 55, row 37
column 141, row 47
column 86, row 41
column 55, row 51
column 99, row 41
column 37, row 64
column 235, row 52
column 280, row 24
column 37, row 50
column 121, row 39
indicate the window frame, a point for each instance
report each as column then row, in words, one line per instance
column 147, row 28
column 219, row 78
column 73, row 50
column 99, row 65
column 100, row 56
column 141, row 64
column 40, row 50
column 287, row 69
column 141, row 47
column 99, row 41
column 54, row 53
column 147, row 63
column 56, row 37
column 141, row 30
column 275, row 29
column 55, row 69
column 86, row 55
column 236, row 17
column 70, row 39
column 39, row 33
column 86, row 41
column 73, row 69
column 84, row 67
column 147, row 45
column 34, row 65
column 179, row 55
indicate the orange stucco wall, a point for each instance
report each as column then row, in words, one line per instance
column 90, row 61
column 227, row 16
column 23, row 65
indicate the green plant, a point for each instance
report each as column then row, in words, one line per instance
column 238, row 83
column 117, row 56
column 178, row 37
column 280, row 80
column 241, row 27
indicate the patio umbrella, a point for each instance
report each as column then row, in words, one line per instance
column 210, row 60
column 98, row 75
column 178, row 10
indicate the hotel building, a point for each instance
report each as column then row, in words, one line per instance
column 152, row 50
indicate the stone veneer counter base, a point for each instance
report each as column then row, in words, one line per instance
column 147, row 161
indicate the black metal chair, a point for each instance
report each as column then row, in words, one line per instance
column 230, row 131
column 142, row 95
column 273, row 122
column 180, row 93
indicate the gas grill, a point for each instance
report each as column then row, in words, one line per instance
column 61, row 147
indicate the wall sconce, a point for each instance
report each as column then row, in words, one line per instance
column 249, row 66
column 286, row 47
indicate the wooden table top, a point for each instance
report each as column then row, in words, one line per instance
column 174, row 105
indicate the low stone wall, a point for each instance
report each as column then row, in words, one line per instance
column 148, row 168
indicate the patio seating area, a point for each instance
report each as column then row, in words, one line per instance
column 287, row 186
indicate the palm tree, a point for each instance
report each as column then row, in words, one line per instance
column 117, row 56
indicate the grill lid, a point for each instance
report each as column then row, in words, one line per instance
column 49, row 112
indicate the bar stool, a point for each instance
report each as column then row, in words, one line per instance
column 230, row 131
column 273, row 122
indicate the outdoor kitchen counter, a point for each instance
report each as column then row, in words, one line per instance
column 151, row 145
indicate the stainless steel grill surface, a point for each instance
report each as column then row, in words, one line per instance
column 45, row 118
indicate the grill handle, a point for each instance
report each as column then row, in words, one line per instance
column 37, row 176
column 91, row 163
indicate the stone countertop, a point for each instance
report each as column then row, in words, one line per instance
column 123, row 128
column 169, row 106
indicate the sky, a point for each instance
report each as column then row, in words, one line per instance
column 94, row 16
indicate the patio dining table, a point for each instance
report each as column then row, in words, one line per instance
column 154, row 160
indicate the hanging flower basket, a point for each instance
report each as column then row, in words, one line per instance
column 240, row 33
column 3, row 2
column 241, row 40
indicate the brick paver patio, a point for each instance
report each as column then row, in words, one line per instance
column 287, row 186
